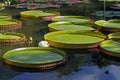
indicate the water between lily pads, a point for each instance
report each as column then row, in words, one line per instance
column 82, row 64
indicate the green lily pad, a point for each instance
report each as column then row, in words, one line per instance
column 73, row 38
column 110, row 25
column 11, row 37
column 33, row 57
column 114, row 20
column 4, row 16
column 111, row 47
column 58, row 26
column 8, row 22
column 31, row 12
column 115, row 35
column 72, row 19
column 35, row 14
column 100, row 22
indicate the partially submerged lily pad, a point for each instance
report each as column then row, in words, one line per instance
column 111, row 48
column 72, row 19
column 10, row 24
column 58, row 26
column 110, row 25
column 74, row 39
column 34, row 57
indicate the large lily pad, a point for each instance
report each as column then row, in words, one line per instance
column 34, row 57
column 72, row 19
column 35, row 14
column 111, row 48
column 10, row 24
column 74, row 39
column 110, row 25
column 58, row 26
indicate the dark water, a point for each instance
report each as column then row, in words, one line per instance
column 81, row 64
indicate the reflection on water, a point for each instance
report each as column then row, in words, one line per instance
column 81, row 64
column 87, row 73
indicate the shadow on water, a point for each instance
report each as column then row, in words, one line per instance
column 112, row 58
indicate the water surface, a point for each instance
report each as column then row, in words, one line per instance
column 81, row 64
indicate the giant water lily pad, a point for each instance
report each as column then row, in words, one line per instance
column 110, row 25
column 74, row 39
column 10, row 24
column 114, row 36
column 4, row 16
column 58, row 26
column 34, row 57
column 72, row 19
column 11, row 37
column 111, row 48
column 35, row 14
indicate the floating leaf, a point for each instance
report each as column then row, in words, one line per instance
column 35, row 14
column 58, row 26
column 76, row 38
column 72, row 19
column 114, row 35
column 11, row 37
column 5, row 16
column 110, row 25
column 111, row 47
column 33, row 57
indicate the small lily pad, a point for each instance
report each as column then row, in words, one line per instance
column 34, row 57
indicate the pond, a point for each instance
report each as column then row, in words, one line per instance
column 82, row 64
